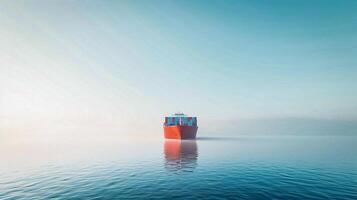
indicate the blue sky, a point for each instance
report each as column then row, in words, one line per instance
column 130, row 61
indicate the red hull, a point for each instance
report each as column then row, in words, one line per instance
column 180, row 132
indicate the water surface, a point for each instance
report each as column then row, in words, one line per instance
column 209, row 168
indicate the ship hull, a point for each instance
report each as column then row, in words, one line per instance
column 180, row 132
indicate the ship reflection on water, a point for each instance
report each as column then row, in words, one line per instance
column 180, row 155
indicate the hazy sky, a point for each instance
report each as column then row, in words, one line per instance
column 132, row 62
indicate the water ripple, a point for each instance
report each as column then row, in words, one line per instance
column 187, row 170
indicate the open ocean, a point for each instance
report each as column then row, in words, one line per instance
column 274, row 167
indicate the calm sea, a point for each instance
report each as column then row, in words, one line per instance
column 320, row 167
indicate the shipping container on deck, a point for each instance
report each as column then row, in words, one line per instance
column 182, row 120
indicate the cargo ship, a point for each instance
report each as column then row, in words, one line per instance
column 180, row 126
